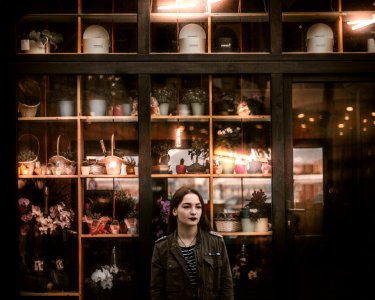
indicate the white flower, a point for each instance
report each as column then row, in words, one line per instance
column 104, row 276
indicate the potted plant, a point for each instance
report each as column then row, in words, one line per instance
column 199, row 150
column 197, row 98
column 181, row 168
column 98, row 93
column 259, row 210
column 127, row 207
column 85, row 167
column 26, row 161
column 159, row 153
column 130, row 165
column 28, row 94
column 41, row 41
column 164, row 96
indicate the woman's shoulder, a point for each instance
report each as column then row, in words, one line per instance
column 215, row 234
column 160, row 239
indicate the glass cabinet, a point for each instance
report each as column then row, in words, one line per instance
column 265, row 107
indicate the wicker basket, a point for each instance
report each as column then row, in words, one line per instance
column 228, row 226
column 61, row 164
column 28, row 110
column 27, row 167
column 228, row 222
column 113, row 163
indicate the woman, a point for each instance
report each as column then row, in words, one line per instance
column 191, row 262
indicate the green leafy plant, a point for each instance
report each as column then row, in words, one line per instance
column 161, row 148
column 29, row 91
column 126, row 202
column 46, row 36
column 164, row 95
column 257, row 205
column 195, row 95
column 26, row 155
column 130, row 161
column 85, row 163
column 199, row 149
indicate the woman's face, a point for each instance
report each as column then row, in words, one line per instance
column 189, row 211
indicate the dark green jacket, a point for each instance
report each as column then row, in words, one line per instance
column 169, row 274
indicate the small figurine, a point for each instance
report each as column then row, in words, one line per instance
column 135, row 107
column 243, row 109
column 155, row 111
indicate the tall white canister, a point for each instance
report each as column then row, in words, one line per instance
column 192, row 39
column 95, row 40
column 319, row 38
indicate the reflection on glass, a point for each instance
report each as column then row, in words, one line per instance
column 333, row 140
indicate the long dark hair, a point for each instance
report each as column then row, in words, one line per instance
column 203, row 224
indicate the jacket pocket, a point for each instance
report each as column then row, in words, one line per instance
column 212, row 273
column 174, row 277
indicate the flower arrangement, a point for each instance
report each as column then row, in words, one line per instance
column 228, row 138
column 195, row 95
column 104, row 275
column 58, row 218
column 126, row 202
column 160, row 219
column 164, row 95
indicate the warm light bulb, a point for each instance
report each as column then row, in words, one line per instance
column 178, row 137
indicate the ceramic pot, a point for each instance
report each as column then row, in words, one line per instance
column 228, row 165
column 85, row 170
column 180, row 169
column 261, row 225
column 255, row 167
column 240, row 169
column 127, row 109
column 197, row 108
column 66, row 108
column 164, row 109
column 97, row 107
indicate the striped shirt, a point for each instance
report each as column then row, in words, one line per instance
column 191, row 264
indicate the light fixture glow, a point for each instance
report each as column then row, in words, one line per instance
column 301, row 116
column 341, row 125
column 178, row 137
column 311, row 119
column 362, row 23
column 347, row 118
column 178, row 4
column 349, row 108
column 183, row 4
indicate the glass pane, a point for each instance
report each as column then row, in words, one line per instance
column 333, row 140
